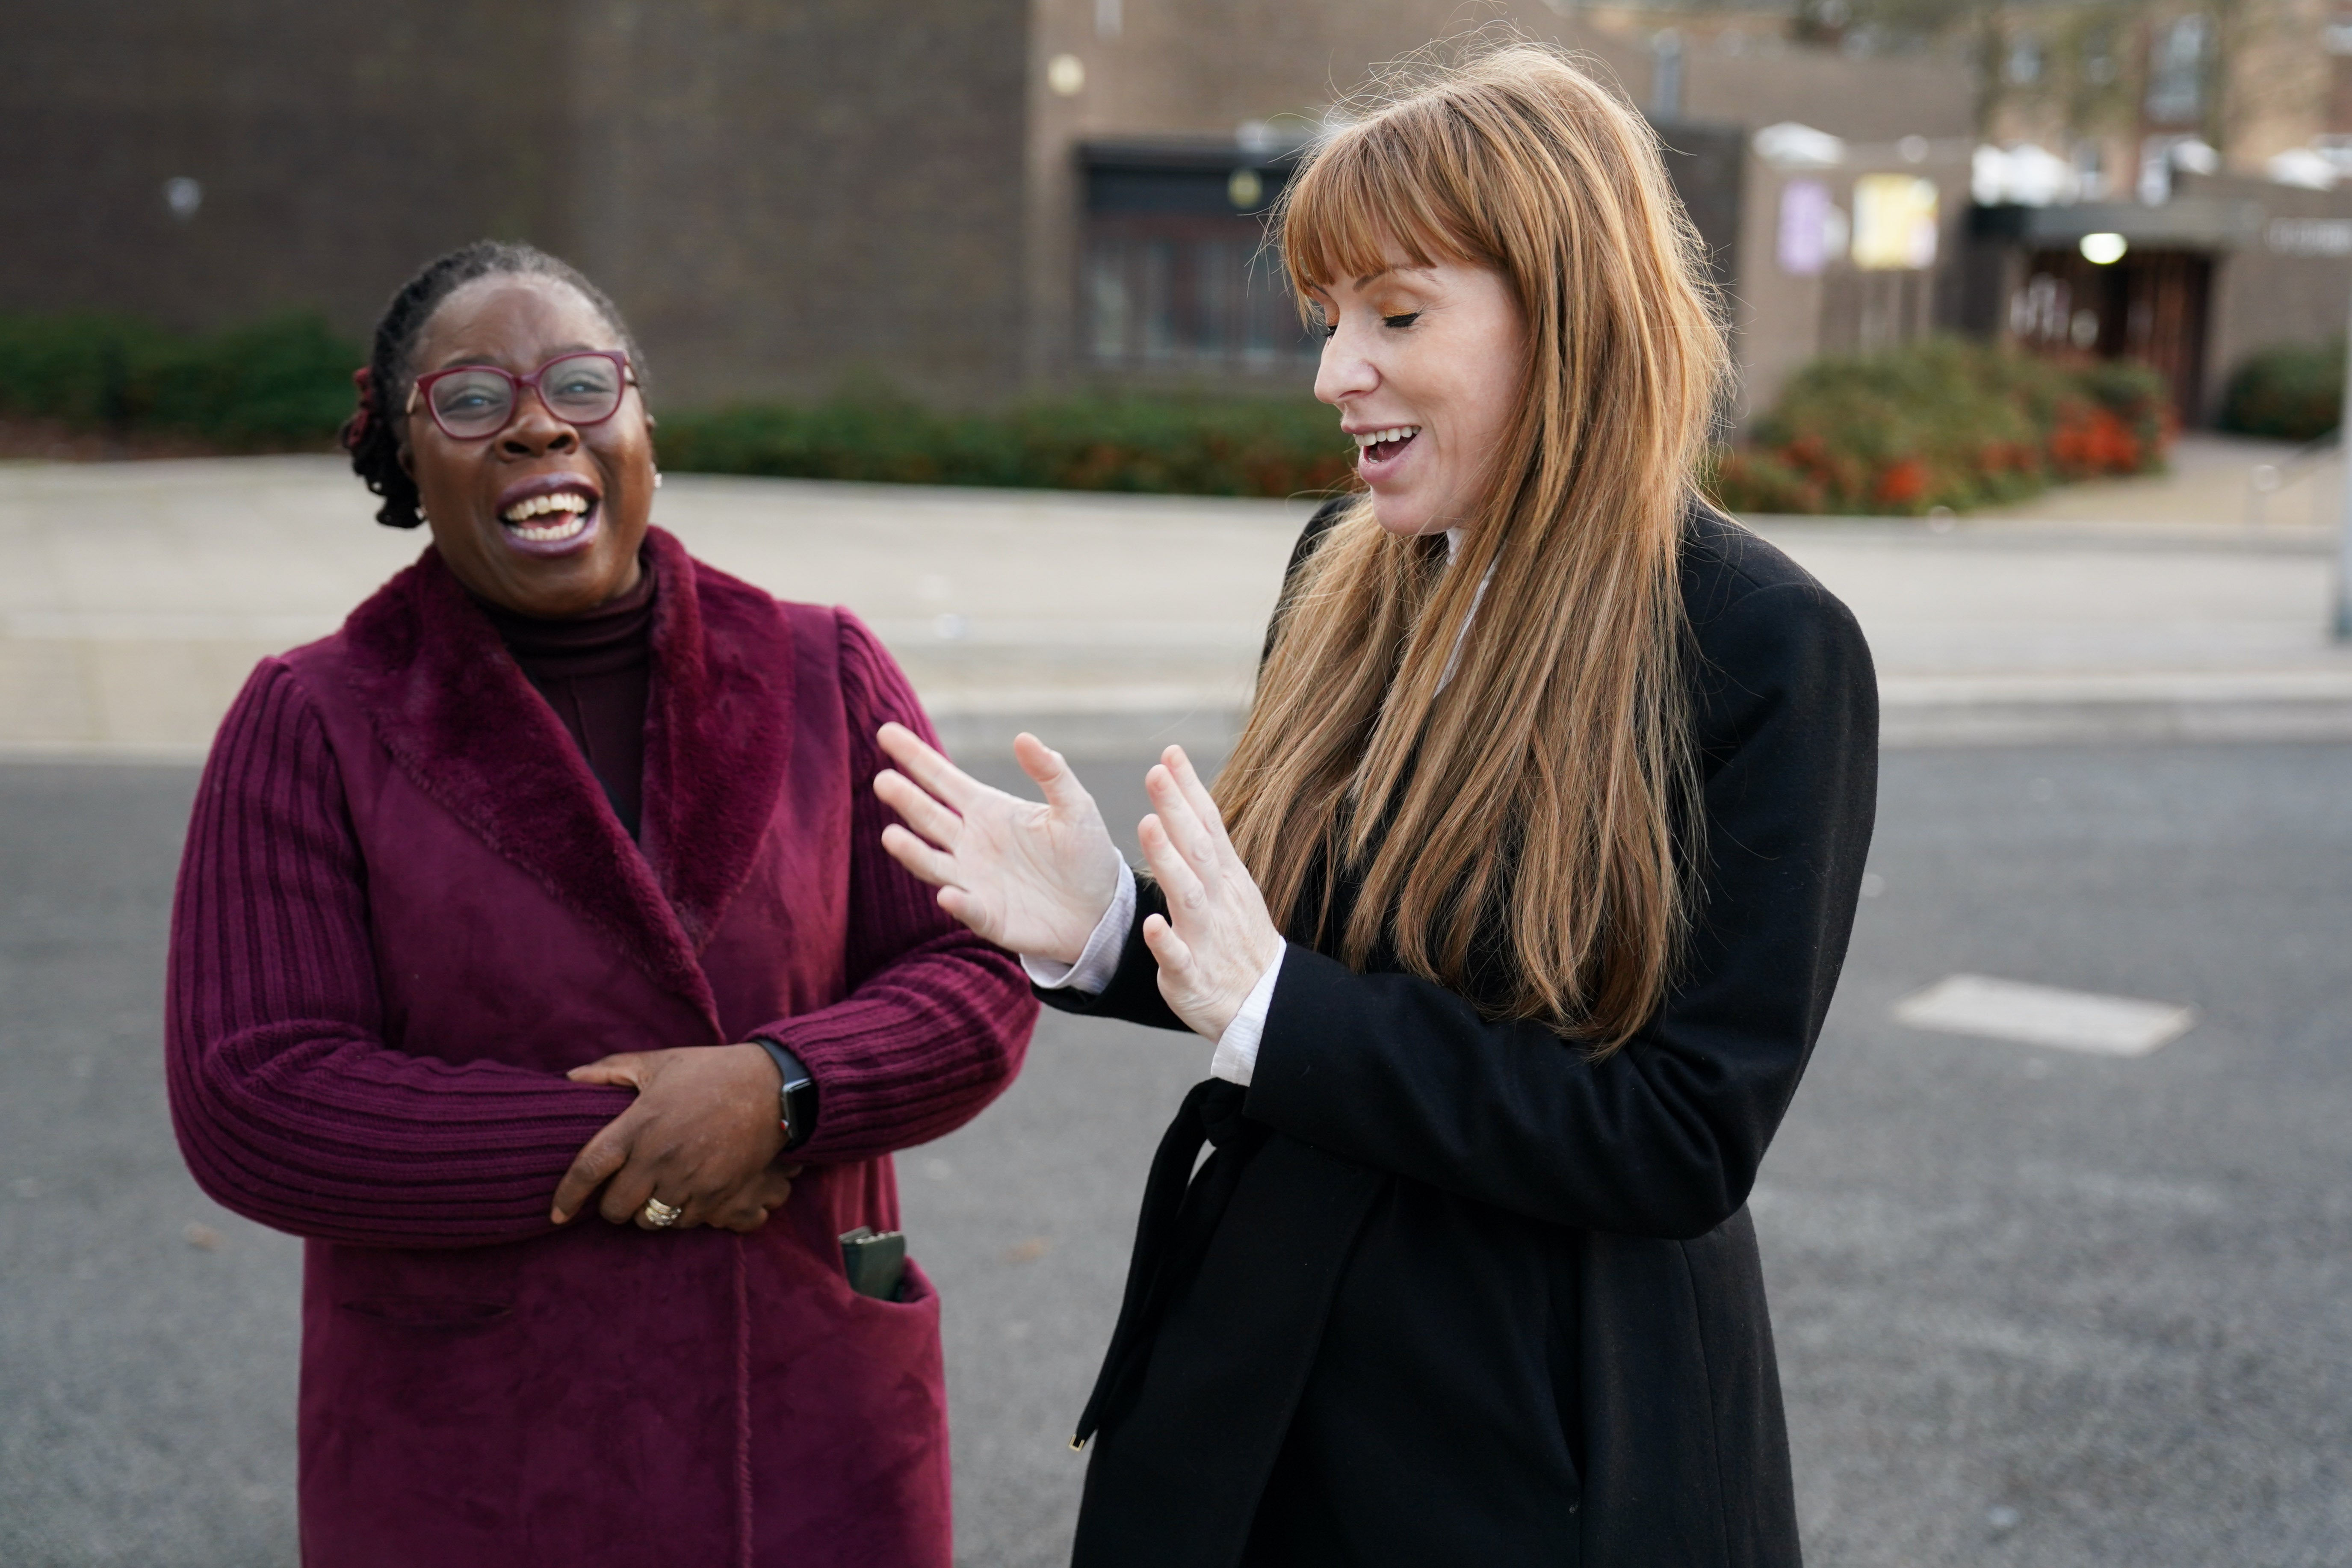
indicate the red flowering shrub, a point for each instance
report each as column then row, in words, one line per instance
column 1902, row 484
column 2090, row 441
column 1943, row 423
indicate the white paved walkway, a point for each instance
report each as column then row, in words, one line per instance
column 135, row 597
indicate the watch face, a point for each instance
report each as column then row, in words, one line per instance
column 801, row 1090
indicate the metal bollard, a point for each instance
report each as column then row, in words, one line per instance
column 2343, row 619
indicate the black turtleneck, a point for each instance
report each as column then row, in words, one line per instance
column 595, row 672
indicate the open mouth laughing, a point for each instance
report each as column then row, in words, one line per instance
column 550, row 515
column 1378, row 450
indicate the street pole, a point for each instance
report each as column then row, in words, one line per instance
column 2343, row 628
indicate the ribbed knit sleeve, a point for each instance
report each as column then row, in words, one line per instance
column 290, row 1108
column 936, row 1020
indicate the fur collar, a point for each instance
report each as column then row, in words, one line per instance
column 464, row 725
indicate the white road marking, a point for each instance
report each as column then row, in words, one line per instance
column 2044, row 1016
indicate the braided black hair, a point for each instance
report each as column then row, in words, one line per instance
column 373, row 434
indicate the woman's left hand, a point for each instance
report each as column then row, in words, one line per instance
column 702, row 1138
column 1218, row 939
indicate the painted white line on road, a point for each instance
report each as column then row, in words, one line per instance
column 2044, row 1016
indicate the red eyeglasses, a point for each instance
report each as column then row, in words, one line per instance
column 470, row 402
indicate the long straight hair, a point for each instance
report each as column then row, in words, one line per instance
column 1534, row 789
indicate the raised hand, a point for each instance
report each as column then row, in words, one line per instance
column 703, row 1137
column 1032, row 878
column 1218, row 937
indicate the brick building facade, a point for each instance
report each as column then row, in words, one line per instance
column 779, row 193
column 969, row 199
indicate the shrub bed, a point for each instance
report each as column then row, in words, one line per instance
column 285, row 383
column 1191, row 446
column 280, row 384
column 2293, row 392
column 1943, row 423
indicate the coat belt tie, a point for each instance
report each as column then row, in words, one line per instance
column 1181, row 1213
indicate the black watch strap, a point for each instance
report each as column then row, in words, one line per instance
column 799, row 1097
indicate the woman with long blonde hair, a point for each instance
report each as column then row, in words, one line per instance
column 1513, row 917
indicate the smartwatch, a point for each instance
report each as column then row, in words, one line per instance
column 797, row 1112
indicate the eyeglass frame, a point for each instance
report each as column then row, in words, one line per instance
column 423, row 385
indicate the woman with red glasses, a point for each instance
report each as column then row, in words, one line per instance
column 551, row 883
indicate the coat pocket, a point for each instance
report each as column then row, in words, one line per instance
column 411, row 1402
column 850, row 1416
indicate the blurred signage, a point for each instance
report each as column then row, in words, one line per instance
column 1804, row 227
column 2310, row 236
column 1894, row 223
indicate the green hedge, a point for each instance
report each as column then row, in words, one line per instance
column 277, row 383
column 1191, row 446
column 2291, row 390
column 1943, row 423
column 286, row 383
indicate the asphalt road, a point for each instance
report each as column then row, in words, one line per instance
column 2033, row 1307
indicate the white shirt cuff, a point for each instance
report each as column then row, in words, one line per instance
column 1236, row 1057
column 1099, row 960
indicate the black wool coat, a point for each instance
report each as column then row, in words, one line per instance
column 1446, row 1290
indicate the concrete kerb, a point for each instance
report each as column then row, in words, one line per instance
column 2032, row 534
column 1908, row 717
column 1094, row 736
column 2071, row 720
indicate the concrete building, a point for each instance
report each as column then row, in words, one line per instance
column 2166, row 182
column 969, row 199
column 2126, row 91
column 2228, row 265
column 1207, row 95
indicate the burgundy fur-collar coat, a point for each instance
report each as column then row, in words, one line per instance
column 406, row 910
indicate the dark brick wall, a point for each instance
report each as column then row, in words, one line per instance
column 787, row 193
column 338, row 146
column 781, row 193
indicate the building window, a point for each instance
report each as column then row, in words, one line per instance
column 2175, row 75
column 1211, row 303
column 1106, row 299
column 2337, row 41
column 2099, row 57
column 1156, row 296
column 1178, row 276
column 2023, row 67
column 1218, row 280
column 1666, row 75
column 1270, row 324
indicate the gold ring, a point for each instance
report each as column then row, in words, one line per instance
column 659, row 1214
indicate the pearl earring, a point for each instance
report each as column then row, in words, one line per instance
column 656, row 479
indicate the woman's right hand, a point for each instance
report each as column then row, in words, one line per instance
column 1032, row 878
